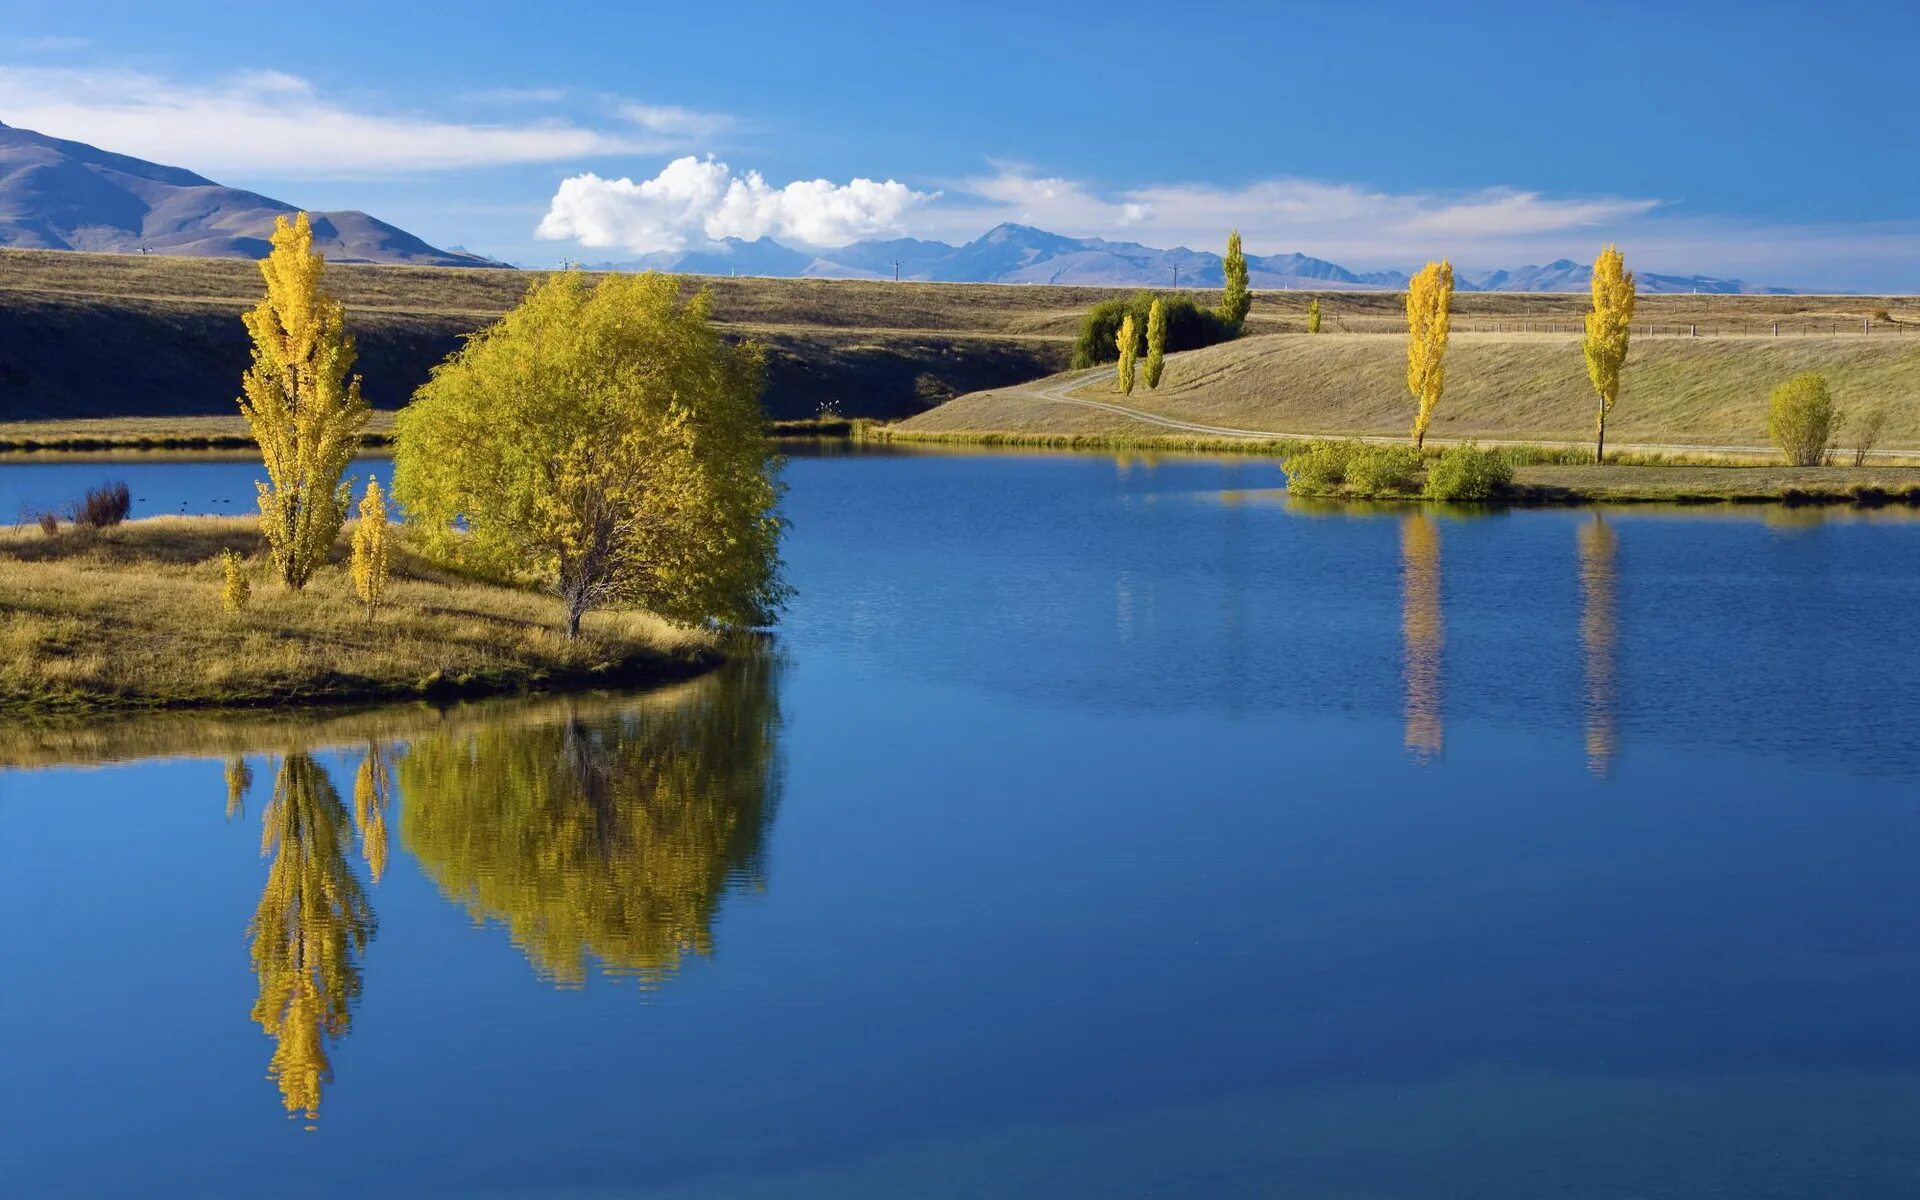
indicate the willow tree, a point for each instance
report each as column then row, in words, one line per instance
column 606, row 442
column 1156, row 342
column 1608, row 326
column 1128, row 343
column 1429, row 319
column 1236, row 300
column 299, row 404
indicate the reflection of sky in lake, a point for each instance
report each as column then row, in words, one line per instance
column 1102, row 865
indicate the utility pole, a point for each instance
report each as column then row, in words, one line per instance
column 896, row 270
column 1176, row 275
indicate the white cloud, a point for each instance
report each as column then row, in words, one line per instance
column 1279, row 215
column 693, row 200
column 272, row 123
column 670, row 120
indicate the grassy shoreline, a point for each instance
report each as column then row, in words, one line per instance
column 159, row 434
column 130, row 619
column 1625, row 479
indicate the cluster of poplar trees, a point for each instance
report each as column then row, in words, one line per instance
column 1429, row 321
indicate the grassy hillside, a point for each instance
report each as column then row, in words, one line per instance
column 99, row 335
column 1697, row 391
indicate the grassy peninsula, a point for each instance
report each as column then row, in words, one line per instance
column 131, row 618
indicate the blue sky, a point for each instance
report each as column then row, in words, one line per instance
column 1772, row 141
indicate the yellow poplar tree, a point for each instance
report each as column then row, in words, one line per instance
column 1313, row 316
column 299, row 404
column 1156, row 342
column 1128, row 342
column 370, row 547
column 1606, row 342
column 1237, row 300
column 1429, row 300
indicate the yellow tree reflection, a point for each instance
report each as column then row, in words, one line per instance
column 1424, row 633
column 312, row 925
column 608, row 834
column 372, row 798
column 1599, row 637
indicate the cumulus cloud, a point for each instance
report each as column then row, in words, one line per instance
column 702, row 200
column 273, row 123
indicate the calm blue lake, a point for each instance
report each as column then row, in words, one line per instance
column 1095, row 827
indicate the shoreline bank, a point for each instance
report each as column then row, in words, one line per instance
column 130, row 620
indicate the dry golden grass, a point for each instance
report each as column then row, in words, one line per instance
column 132, row 618
column 1677, row 391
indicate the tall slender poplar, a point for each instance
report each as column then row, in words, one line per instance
column 1429, row 296
column 299, row 404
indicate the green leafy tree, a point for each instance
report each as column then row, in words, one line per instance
column 1128, row 343
column 607, row 442
column 1237, row 299
column 299, row 404
column 1156, row 342
column 1801, row 419
column 1189, row 326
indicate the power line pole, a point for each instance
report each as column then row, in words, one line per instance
column 1176, row 275
column 896, row 270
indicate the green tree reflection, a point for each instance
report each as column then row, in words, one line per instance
column 612, row 833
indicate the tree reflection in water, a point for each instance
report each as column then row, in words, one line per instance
column 612, row 833
column 1424, row 633
column 1599, row 638
column 312, row 926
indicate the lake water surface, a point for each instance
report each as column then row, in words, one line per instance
column 1095, row 827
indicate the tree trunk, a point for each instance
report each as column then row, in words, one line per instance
column 1600, row 439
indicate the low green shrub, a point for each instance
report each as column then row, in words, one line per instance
column 1801, row 419
column 1383, row 471
column 1352, row 469
column 1318, row 468
column 1466, row 472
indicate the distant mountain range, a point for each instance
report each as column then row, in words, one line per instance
column 1012, row 253
column 61, row 195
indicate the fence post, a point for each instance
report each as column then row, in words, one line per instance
column 1693, row 331
column 1866, row 324
column 1776, row 329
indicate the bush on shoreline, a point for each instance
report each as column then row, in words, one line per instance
column 1357, row 470
column 1466, row 473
